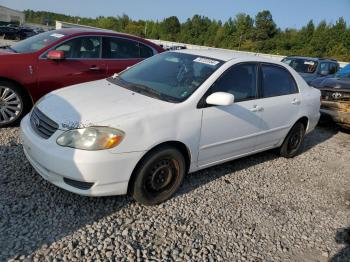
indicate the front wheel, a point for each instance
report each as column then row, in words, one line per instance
column 159, row 176
column 293, row 141
column 13, row 104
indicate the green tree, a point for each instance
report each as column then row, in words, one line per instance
column 265, row 27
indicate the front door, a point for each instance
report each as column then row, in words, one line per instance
column 230, row 131
column 82, row 63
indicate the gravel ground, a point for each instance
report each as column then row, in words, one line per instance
column 260, row 208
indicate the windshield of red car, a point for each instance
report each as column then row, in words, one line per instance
column 36, row 43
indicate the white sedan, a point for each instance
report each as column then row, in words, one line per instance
column 140, row 132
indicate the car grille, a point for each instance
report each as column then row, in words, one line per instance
column 42, row 125
column 335, row 95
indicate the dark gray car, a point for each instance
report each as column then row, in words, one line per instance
column 311, row 68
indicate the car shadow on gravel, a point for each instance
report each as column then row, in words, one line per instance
column 34, row 213
column 342, row 237
column 202, row 177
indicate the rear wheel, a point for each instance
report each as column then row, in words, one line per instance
column 13, row 104
column 159, row 176
column 293, row 141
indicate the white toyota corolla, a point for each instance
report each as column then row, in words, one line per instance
column 141, row 131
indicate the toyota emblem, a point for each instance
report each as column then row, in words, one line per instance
column 336, row 95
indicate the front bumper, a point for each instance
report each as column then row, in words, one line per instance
column 342, row 118
column 108, row 173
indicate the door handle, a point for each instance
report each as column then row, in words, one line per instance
column 257, row 108
column 95, row 68
column 296, row 101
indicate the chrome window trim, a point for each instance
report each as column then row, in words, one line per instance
column 43, row 55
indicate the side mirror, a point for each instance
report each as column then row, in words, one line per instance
column 55, row 55
column 324, row 73
column 220, row 99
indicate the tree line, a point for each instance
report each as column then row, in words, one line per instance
column 242, row 32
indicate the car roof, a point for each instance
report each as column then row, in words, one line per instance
column 225, row 55
column 312, row 58
column 76, row 30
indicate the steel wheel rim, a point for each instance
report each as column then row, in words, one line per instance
column 294, row 141
column 162, row 176
column 10, row 105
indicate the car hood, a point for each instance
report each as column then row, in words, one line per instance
column 307, row 77
column 5, row 51
column 338, row 83
column 96, row 103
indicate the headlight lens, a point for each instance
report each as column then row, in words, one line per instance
column 91, row 138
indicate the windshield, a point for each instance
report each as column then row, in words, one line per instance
column 344, row 73
column 35, row 43
column 169, row 76
column 301, row 65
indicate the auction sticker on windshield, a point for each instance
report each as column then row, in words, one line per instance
column 206, row 61
column 309, row 63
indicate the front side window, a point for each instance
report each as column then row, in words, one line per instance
column 324, row 67
column 276, row 81
column 240, row 81
column 87, row 47
column 38, row 42
column 170, row 76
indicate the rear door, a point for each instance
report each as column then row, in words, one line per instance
column 120, row 53
column 82, row 63
column 280, row 103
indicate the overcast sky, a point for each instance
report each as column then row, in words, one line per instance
column 286, row 13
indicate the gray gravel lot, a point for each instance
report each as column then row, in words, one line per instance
column 260, row 208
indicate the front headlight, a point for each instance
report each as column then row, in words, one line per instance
column 91, row 138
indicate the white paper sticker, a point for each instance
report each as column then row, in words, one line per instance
column 309, row 63
column 206, row 61
column 57, row 35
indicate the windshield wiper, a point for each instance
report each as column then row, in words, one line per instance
column 152, row 92
column 142, row 88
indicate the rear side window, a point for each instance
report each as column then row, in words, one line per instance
column 145, row 51
column 276, row 81
column 121, row 48
column 240, row 81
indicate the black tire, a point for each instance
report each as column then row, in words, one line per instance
column 158, row 176
column 23, row 108
column 293, row 141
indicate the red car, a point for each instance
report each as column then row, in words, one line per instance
column 31, row 68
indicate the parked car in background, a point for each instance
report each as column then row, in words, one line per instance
column 336, row 96
column 311, row 68
column 9, row 32
column 141, row 131
column 31, row 68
